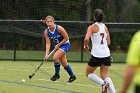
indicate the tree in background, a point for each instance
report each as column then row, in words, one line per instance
column 70, row 10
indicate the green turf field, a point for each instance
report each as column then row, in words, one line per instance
column 11, row 74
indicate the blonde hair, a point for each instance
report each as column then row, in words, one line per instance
column 46, row 18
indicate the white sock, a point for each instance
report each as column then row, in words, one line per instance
column 95, row 78
column 111, row 86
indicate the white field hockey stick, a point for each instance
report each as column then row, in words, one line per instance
column 30, row 76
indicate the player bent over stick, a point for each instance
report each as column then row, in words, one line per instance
column 57, row 35
column 100, row 53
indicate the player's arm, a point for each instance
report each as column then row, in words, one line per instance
column 91, row 29
column 128, row 77
column 132, row 62
column 48, row 43
column 63, row 32
column 108, row 36
column 87, row 37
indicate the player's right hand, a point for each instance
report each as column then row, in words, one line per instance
column 46, row 57
column 87, row 48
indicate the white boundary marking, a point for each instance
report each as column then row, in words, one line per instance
column 76, row 84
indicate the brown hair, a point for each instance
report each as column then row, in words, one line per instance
column 99, row 15
column 46, row 18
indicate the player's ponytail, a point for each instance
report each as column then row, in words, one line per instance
column 98, row 15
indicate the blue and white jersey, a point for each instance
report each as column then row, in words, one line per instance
column 55, row 36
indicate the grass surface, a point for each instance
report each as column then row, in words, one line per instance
column 11, row 74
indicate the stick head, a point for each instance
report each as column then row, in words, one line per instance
column 30, row 76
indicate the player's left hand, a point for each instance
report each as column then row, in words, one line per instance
column 57, row 47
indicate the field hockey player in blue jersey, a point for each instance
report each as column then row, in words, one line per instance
column 57, row 36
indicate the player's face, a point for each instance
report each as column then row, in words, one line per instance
column 50, row 23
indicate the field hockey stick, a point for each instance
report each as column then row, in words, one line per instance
column 88, row 48
column 30, row 76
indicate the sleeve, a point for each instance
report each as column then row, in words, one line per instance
column 133, row 56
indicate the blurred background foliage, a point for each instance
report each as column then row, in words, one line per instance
column 21, row 29
column 66, row 10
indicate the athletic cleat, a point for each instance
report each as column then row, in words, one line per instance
column 105, row 87
column 55, row 77
column 71, row 79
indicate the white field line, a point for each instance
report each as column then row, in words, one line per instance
column 76, row 84
column 72, row 67
column 13, row 69
column 26, row 70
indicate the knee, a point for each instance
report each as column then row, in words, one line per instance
column 55, row 59
column 88, row 73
